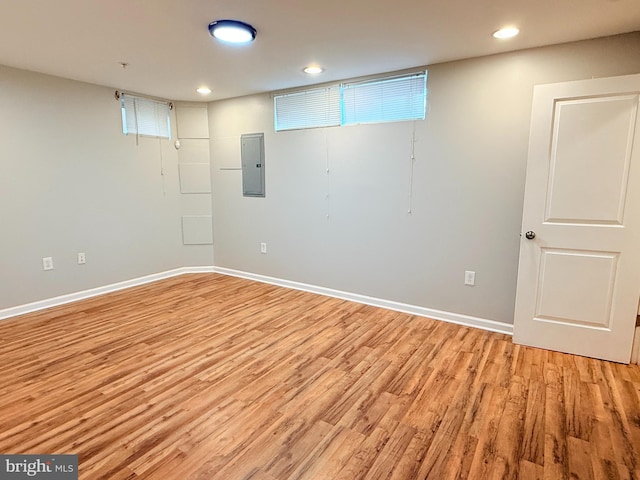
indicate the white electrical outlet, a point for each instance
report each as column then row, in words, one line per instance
column 263, row 247
column 47, row 263
column 82, row 259
column 469, row 278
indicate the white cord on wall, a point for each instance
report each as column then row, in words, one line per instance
column 164, row 184
column 412, row 161
column 328, row 170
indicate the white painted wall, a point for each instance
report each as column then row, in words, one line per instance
column 468, row 185
column 72, row 182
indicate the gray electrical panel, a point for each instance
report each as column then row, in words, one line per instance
column 252, row 154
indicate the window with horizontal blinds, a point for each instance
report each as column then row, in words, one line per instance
column 385, row 100
column 319, row 107
column 145, row 116
column 389, row 99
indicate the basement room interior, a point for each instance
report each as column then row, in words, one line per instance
column 283, row 241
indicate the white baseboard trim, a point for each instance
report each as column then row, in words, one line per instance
column 94, row 292
column 457, row 318
column 466, row 320
column 635, row 351
column 198, row 270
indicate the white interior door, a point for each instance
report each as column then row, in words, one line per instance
column 579, row 277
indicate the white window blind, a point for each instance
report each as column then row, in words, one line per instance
column 144, row 116
column 389, row 99
column 385, row 100
column 319, row 107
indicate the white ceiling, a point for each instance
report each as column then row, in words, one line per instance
column 170, row 52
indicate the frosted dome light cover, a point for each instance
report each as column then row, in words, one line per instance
column 232, row 31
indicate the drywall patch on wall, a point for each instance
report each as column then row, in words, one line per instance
column 193, row 150
column 195, row 177
column 192, row 121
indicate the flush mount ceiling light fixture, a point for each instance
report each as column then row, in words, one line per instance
column 507, row 32
column 203, row 90
column 232, row 31
column 313, row 69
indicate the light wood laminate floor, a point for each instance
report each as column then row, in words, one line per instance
column 213, row 377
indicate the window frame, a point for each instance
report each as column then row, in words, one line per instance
column 318, row 114
column 382, row 82
column 150, row 111
column 395, row 98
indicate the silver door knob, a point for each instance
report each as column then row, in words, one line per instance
column 530, row 235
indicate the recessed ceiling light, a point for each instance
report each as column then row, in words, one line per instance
column 203, row 90
column 507, row 32
column 313, row 69
column 232, row 31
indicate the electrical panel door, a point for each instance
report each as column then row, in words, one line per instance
column 252, row 154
